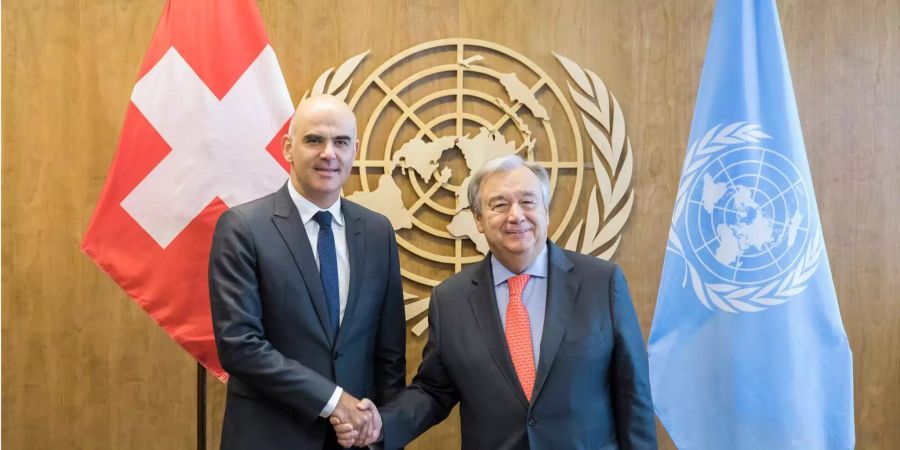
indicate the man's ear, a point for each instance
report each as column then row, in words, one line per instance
column 477, row 222
column 286, row 148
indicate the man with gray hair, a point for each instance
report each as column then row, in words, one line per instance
column 540, row 346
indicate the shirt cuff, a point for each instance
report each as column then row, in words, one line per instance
column 332, row 403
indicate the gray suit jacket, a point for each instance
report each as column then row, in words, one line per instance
column 271, row 322
column 591, row 389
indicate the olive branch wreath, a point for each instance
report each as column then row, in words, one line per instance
column 612, row 159
column 340, row 77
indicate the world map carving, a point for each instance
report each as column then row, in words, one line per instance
column 422, row 157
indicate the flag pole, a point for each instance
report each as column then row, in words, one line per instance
column 201, row 407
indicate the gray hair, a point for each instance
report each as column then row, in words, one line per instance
column 504, row 164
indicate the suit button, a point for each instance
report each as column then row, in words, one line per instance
column 532, row 421
column 337, row 355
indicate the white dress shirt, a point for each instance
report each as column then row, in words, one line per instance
column 307, row 210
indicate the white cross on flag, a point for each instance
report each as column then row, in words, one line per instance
column 202, row 133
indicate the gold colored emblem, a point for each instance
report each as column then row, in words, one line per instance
column 432, row 114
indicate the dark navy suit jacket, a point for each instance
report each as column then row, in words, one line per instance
column 271, row 322
column 592, row 387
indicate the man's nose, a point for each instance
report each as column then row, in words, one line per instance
column 516, row 214
column 328, row 152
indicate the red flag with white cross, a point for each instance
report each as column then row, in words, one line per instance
column 202, row 133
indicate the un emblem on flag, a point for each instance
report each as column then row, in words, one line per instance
column 742, row 222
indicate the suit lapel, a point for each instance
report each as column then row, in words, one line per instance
column 287, row 220
column 562, row 289
column 484, row 305
column 356, row 244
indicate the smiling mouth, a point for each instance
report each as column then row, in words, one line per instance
column 517, row 232
column 325, row 170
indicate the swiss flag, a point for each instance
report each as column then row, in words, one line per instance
column 202, row 133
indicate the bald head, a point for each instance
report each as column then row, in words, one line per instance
column 323, row 103
column 320, row 146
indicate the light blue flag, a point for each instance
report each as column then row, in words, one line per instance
column 747, row 348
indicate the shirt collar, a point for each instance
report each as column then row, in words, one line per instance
column 537, row 269
column 308, row 209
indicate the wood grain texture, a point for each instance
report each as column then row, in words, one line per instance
column 83, row 367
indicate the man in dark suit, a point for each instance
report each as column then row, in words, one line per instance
column 541, row 346
column 306, row 298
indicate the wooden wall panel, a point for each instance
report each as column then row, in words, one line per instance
column 83, row 367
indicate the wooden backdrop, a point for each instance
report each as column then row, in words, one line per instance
column 84, row 367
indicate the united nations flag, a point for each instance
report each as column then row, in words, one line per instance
column 747, row 348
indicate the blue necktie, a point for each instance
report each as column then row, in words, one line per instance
column 328, row 270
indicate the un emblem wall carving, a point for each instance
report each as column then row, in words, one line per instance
column 432, row 114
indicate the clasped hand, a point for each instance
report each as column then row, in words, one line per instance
column 356, row 422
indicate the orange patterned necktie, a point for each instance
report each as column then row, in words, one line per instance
column 518, row 334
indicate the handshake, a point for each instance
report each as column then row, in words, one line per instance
column 356, row 422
